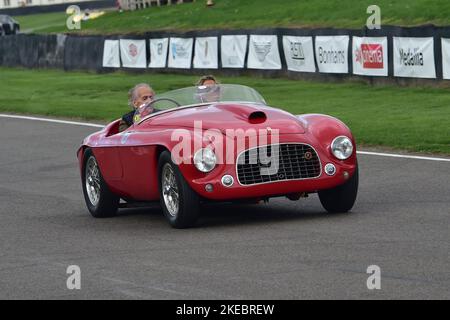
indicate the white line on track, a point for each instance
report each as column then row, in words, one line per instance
column 53, row 120
column 392, row 155
column 94, row 125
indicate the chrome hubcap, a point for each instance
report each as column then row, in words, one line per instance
column 92, row 184
column 170, row 190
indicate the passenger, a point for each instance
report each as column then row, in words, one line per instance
column 207, row 80
column 137, row 96
column 208, row 89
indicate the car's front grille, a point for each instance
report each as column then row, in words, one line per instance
column 277, row 163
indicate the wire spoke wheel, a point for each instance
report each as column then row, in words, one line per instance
column 92, row 183
column 170, row 190
column 179, row 202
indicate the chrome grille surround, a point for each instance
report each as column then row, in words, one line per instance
column 292, row 165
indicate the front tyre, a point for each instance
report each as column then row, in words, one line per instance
column 179, row 202
column 101, row 202
column 341, row 198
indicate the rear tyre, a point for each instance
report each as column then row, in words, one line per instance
column 341, row 198
column 101, row 202
column 180, row 204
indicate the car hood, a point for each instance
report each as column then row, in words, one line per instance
column 223, row 116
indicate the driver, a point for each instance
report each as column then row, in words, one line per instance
column 137, row 96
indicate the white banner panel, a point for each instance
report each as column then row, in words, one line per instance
column 206, row 53
column 299, row 53
column 132, row 53
column 414, row 57
column 263, row 53
column 111, row 54
column 370, row 56
column 233, row 50
column 446, row 58
column 180, row 55
column 332, row 53
column 158, row 52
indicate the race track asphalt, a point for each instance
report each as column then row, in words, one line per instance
column 280, row 250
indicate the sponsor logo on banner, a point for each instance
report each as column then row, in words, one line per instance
column 262, row 49
column 133, row 50
column 233, row 59
column 370, row 56
column 299, row 53
column 180, row 53
column 332, row 56
column 263, row 53
column 411, row 57
column 158, row 52
column 414, row 57
column 332, row 53
column 445, row 58
column 206, row 53
column 233, row 50
column 133, row 53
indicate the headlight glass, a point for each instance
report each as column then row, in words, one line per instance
column 205, row 160
column 342, row 147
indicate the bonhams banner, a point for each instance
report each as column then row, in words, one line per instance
column 206, row 53
column 180, row 55
column 263, row 53
column 133, row 54
column 414, row 57
column 446, row 58
column 111, row 54
column 332, row 54
column 370, row 56
column 233, row 50
column 158, row 53
column 299, row 53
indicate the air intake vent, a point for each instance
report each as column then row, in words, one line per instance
column 257, row 117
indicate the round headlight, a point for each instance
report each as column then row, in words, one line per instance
column 205, row 160
column 342, row 147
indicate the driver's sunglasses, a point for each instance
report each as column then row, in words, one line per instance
column 145, row 98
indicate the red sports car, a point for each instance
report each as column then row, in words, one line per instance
column 217, row 143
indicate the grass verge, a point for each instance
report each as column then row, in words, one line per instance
column 232, row 14
column 412, row 119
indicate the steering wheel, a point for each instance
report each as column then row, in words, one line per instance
column 163, row 99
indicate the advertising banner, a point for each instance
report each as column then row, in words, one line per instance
column 133, row 54
column 370, row 56
column 332, row 53
column 263, row 53
column 111, row 54
column 446, row 58
column 206, row 53
column 180, row 55
column 233, row 50
column 414, row 57
column 158, row 53
column 299, row 53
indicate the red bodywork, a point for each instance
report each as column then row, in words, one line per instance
column 128, row 161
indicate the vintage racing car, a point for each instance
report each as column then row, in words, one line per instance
column 217, row 143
